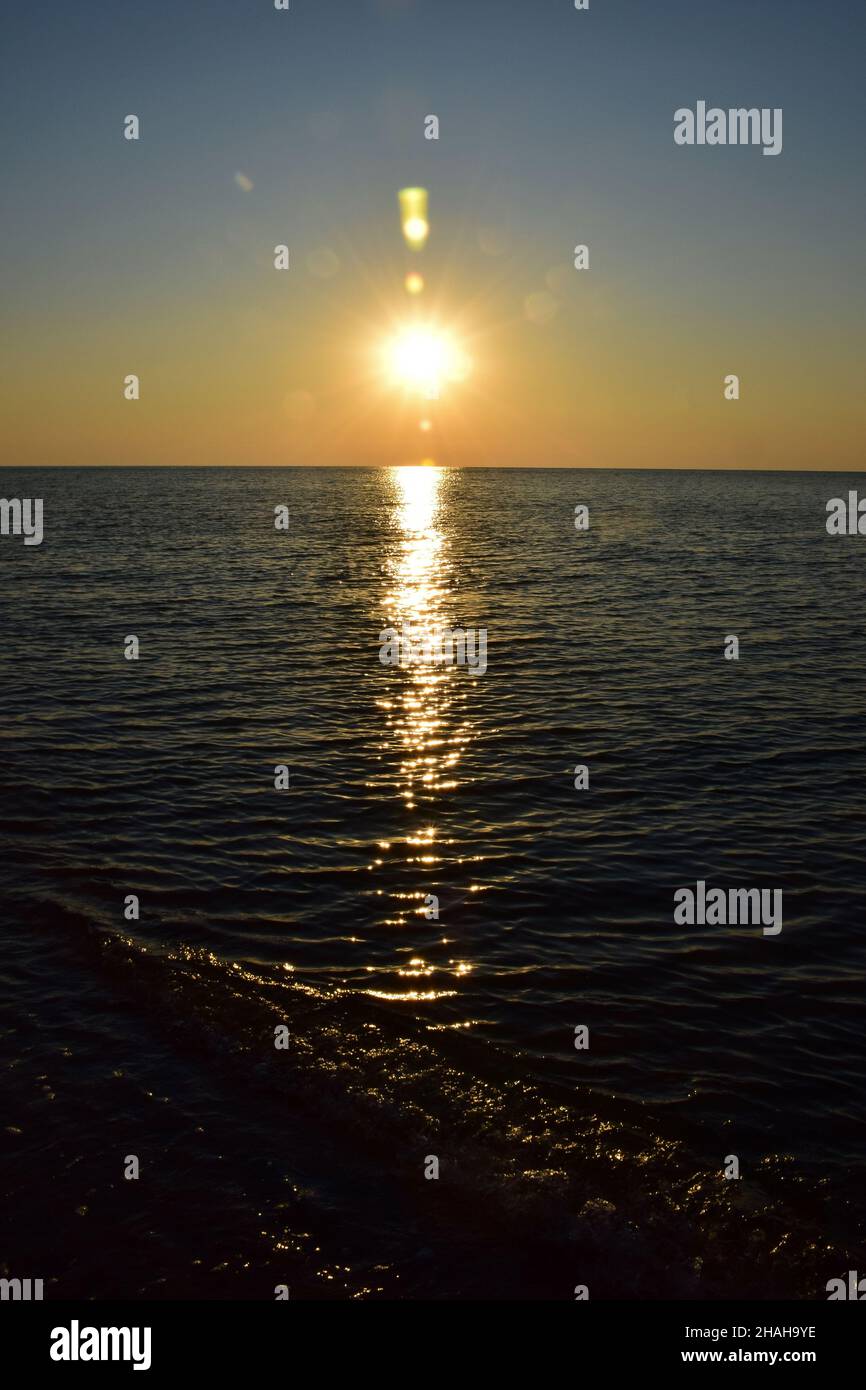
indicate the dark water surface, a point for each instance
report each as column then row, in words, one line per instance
column 412, row 1037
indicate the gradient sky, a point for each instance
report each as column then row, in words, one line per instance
column 556, row 128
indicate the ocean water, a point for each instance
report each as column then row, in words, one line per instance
column 411, row 1036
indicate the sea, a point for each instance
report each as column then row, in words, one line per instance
column 363, row 980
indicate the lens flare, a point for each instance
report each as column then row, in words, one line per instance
column 413, row 216
column 414, row 282
column 422, row 359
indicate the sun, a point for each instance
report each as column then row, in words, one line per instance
column 421, row 358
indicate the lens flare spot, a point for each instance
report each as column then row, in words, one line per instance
column 413, row 216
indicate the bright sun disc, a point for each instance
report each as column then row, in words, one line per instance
column 423, row 358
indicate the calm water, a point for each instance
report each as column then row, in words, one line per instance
column 408, row 1036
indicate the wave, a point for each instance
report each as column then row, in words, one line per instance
column 540, row 1188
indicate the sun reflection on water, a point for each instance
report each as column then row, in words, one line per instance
column 419, row 596
column 426, row 728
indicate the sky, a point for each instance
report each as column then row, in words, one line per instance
column 262, row 127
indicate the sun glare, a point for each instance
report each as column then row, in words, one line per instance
column 423, row 359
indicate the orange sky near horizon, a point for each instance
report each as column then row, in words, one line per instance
column 578, row 375
column 156, row 257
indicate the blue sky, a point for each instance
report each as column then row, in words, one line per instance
column 555, row 125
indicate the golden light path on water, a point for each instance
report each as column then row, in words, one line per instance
column 425, row 724
column 419, row 598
